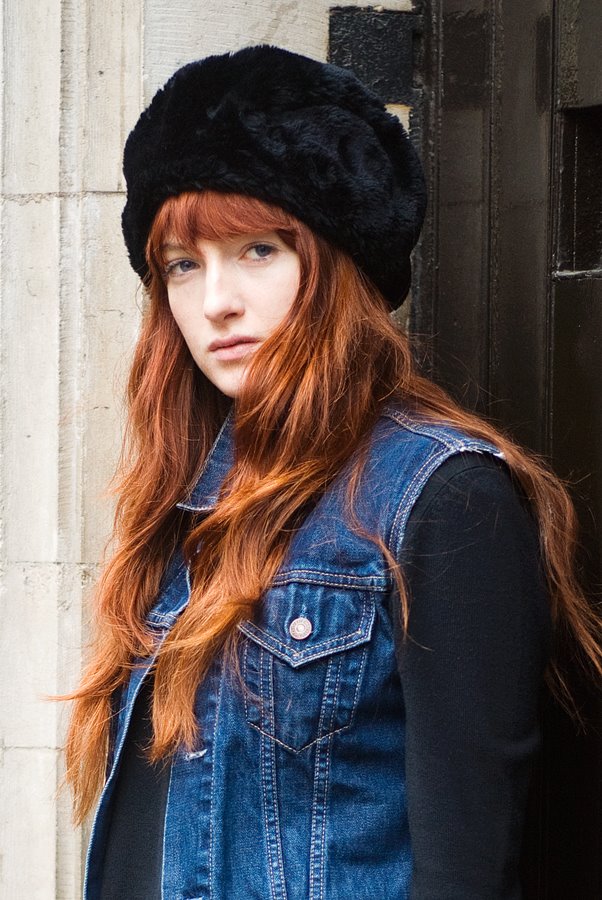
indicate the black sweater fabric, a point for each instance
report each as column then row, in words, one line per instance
column 471, row 669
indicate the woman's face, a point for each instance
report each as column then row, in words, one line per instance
column 227, row 297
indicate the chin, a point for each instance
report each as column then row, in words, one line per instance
column 229, row 387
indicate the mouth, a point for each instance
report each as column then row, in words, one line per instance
column 234, row 347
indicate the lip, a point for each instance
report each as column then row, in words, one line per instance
column 234, row 347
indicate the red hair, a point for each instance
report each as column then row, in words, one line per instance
column 311, row 396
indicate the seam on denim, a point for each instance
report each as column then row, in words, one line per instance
column 326, row 785
column 444, row 434
column 409, row 497
column 263, row 749
column 278, row 835
column 315, row 799
column 331, row 579
column 418, row 483
column 246, row 689
column 218, row 705
column 169, row 786
column 336, row 693
column 302, row 749
column 270, row 798
column 245, row 678
column 358, row 685
column 321, row 780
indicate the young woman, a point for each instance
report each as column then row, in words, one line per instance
column 335, row 594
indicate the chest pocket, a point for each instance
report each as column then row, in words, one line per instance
column 303, row 661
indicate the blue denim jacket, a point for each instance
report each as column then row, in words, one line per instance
column 296, row 789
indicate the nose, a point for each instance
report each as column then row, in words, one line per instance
column 222, row 299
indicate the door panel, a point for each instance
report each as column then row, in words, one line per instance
column 510, row 285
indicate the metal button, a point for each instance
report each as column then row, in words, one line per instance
column 300, row 628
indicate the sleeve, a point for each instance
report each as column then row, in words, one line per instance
column 471, row 670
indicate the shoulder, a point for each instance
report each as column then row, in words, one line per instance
column 472, row 531
column 404, row 454
column 401, row 425
column 471, row 491
column 404, row 441
column 469, row 480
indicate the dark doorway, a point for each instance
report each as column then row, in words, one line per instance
column 510, row 286
column 507, row 304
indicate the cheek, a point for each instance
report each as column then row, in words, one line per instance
column 286, row 294
column 184, row 313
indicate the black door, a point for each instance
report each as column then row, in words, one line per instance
column 511, row 288
column 507, row 305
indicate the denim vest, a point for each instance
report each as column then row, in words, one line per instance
column 296, row 790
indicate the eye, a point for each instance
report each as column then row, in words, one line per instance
column 261, row 251
column 178, row 267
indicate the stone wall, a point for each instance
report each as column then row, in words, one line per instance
column 75, row 74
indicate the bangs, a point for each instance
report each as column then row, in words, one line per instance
column 210, row 215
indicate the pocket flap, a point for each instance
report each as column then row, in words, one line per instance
column 303, row 622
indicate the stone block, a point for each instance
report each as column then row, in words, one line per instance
column 28, row 781
column 172, row 36
column 113, row 90
column 40, row 649
column 111, row 294
column 28, row 658
column 32, row 84
column 30, row 347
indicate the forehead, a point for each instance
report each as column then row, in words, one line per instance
column 175, row 242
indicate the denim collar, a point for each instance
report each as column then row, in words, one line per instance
column 219, row 461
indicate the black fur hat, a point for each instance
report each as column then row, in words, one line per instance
column 305, row 135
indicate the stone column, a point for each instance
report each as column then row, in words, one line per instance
column 71, row 90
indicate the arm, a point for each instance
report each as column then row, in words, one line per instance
column 471, row 673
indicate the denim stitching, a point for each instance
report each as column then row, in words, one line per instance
column 445, row 435
column 360, row 678
column 165, row 833
column 331, row 579
column 218, row 704
column 419, row 480
column 277, row 836
column 411, row 494
column 262, row 751
column 335, row 696
column 245, row 677
column 269, row 789
column 305, row 746
column 321, row 781
column 315, row 806
column 328, row 755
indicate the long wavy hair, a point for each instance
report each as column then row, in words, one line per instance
column 311, row 396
